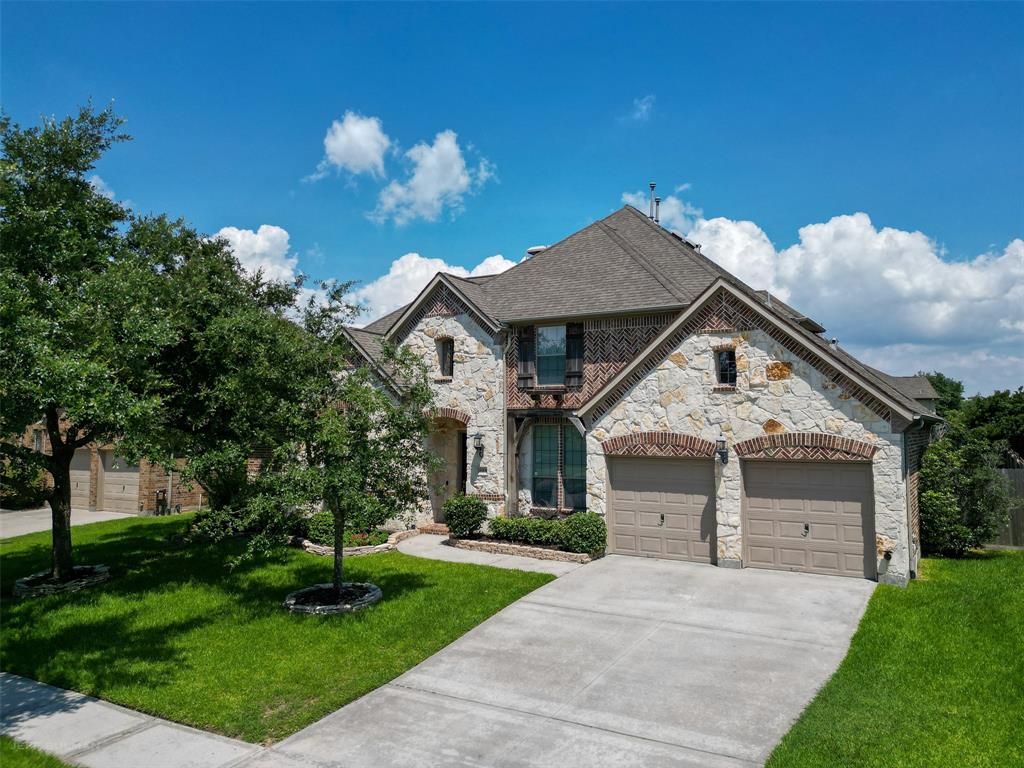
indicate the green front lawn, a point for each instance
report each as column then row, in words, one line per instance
column 14, row 754
column 934, row 676
column 177, row 635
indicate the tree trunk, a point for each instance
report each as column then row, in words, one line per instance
column 60, row 508
column 339, row 544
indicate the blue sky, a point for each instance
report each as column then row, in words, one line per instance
column 765, row 118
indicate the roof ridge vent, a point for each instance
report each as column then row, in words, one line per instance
column 533, row 250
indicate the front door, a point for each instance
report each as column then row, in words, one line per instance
column 449, row 445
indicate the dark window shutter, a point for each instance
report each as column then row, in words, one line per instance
column 574, row 355
column 527, row 359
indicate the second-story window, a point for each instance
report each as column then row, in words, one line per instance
column 446, row 356
column 726, row 359
column 550, row 355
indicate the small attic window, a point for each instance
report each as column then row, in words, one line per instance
column 726, row 363
column 446, row 357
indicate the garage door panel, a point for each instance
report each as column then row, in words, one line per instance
column 809, row 516
column 668, row 502
column 120, row 484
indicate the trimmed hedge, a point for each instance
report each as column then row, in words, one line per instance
column 582, row 532
column 464, row 515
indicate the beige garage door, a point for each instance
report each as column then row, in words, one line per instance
column 81, row 478
column 662, row 508
column 815, row 517
column 120, row 484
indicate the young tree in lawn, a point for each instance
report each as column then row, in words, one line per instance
column 83, row 313
column 364, row 453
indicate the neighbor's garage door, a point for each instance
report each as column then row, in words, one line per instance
column 120, row 484
column 662, row 508
column 81, row 478
column 815, row 517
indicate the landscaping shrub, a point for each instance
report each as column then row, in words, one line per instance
column 320, row 530
column 584, row 532
column 464, row 515
column 526, row 530
column 21, row 486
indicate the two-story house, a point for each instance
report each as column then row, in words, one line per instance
column 623, row 372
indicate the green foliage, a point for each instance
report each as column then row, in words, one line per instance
column 464, row 515
column 964, row 501
column 582, row 532
column 527, row 530
column 997, row 418
column 84, row 309
column 319, row 528
column 22, row 485
column 951, row 392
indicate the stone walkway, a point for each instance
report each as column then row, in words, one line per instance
column 431, row 546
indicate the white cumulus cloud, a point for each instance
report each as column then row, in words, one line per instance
column 356, row 144
column 888, row 294
column 264, row 250
column 438, row 180
column 409, row 274
column 101, row 187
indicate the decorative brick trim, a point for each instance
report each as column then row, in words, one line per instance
column 610, row 344
column 724, row 312
column 451, row 413
column 665, row 444
column 442, row 302
column 487, row 496
column 805, row 446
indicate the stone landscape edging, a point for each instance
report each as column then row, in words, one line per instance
column 522, row 550
column 370, row 549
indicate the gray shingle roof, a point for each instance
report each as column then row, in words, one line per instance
column 627, row 263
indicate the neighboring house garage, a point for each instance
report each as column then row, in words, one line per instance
column 120, row 489
column 81, row 479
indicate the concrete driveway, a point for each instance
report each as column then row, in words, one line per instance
column 22, row 521
column 624, row 662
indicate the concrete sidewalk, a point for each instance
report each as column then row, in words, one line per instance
column 22, row 521
column 432, row 547
column 93, row 733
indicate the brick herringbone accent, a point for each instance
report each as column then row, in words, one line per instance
column 805, row 446
column 609, row 345
column 666, row 444
column 443, row 302
column 451, row 413
column 723, row 312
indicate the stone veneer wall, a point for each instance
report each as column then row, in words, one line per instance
column 775, row 392
column 475, row 388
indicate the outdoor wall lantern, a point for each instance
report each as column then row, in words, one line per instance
column 721, row 450
column 478, row 442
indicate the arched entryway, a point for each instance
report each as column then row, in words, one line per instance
column 449, row 443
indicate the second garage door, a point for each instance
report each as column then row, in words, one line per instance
column 814, row 517
column 662, row 508
column 120, row 484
